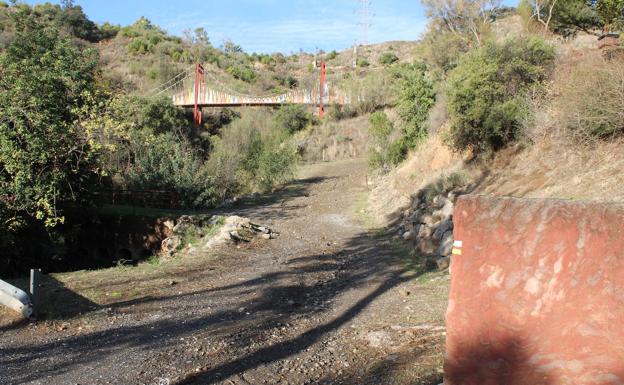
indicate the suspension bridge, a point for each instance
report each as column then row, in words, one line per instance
column 196, row 88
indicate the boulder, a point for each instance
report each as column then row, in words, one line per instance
column 447, row 209
column 443, row 263
column 409, row 235
column 446, row 246
column 426, row 246
column 184, row 223
column 442, row 228
column 424, row 232
column 170, row 245
column 428, row 221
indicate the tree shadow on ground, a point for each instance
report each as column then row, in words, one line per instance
column 394, row 369
column 279, row 301
column 56, row 302
column 261, row 205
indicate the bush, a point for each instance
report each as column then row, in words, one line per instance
column 164, row 162
column 339, row 112
column 293, row 118
column 591, row 99
column 486, row 92
column 379, row 130
column 415, row 98
column 243, row 73
column 253, row 154
column 388, row 58
column 380, row 126
column 139, row 46
column 373, row 92
column 442, row 50
column 332, row 55
column 361, row 62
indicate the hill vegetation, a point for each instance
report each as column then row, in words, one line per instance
column 73, row 127
column 525, row 102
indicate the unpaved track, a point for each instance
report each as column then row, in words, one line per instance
column 327, row 302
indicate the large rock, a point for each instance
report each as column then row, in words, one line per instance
column 446, row 246
column 170, row 245
column 424, row 232
column 446, row 212
column 184, row 223
column 442, row 228
column 443, row 263
column 426, row 246
column 428, row 221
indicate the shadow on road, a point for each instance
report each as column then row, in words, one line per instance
column 245, row 314
column 278, row 302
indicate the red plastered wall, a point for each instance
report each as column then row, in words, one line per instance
column 537, row 293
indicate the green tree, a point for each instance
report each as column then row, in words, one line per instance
column 45, row 160
column 611, row 13
column 571, row 16
column 415, row 98
column 486, row 92
column 293, row 118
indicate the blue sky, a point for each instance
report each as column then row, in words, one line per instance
column 270, row 25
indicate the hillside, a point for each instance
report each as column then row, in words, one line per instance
column 269, row 245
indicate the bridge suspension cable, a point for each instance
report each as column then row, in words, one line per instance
column 189, row 89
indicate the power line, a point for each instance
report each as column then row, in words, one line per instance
column 365, row 22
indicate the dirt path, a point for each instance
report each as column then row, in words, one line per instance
column 328, row 302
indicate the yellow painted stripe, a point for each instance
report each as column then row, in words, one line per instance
column 457, row 252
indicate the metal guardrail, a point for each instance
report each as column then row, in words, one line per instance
column 16, row 299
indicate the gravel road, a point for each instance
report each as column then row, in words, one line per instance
column 328, row 302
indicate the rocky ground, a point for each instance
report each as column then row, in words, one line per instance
column 329, row 301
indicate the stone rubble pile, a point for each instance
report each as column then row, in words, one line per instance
column 191, row 233
column 428, row 224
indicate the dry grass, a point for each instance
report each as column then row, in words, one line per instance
column 589, row 102
column 575, row 130
column 330, row 141
column 430, row 162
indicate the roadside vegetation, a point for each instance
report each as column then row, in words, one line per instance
column 71, row 132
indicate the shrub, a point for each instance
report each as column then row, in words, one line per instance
column 108, row 31
column 388, row 58
column 380, row 126
column 486, row 92
column 243, row 73
column 591, row 99
column 139, row 46
column 442, row 50
column 361, row 62
column 253, row 154
column 415, row 98
column 332, row 55
column 293, row 118
column 379, row 130
column 372, row 92
column 339, row 112
column 164, row 162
